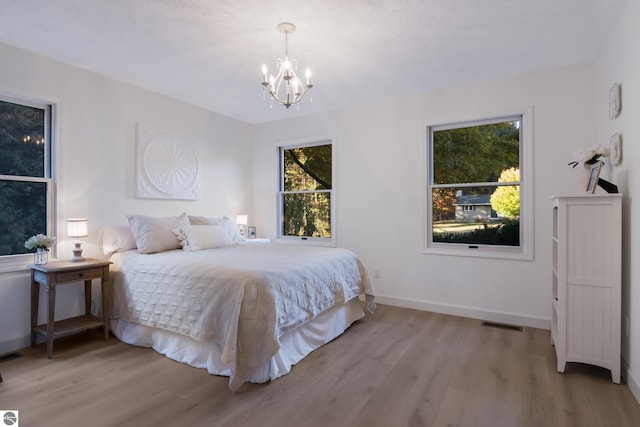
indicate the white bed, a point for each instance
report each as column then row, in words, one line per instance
column 248, row 311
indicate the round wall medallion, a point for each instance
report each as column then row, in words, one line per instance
column 170, row 166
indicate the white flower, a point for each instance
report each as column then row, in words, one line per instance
column 589, row 155
column 39, row 241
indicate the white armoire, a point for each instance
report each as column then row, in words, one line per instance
column 586, row 287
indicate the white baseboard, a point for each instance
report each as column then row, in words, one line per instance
column 473, row 313
column 15, row 344
column 631, row 381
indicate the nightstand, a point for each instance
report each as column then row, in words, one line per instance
column 59, row 273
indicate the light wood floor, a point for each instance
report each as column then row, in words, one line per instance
column 398, row 367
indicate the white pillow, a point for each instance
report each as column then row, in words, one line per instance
column 225, row 222
column 199, row 237
column 230, row 227
column 153, row 234
column 116, row 238
column 198, row 220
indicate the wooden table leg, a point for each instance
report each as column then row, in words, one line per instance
column 87, row 297
column 35, row 301
column 105, row 306
column 51, row 289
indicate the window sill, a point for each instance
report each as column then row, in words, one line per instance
column 310, row 241
column 17, row 263
column 481, row 252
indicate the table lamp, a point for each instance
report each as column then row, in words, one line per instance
column 77, row 227
column 242, row 220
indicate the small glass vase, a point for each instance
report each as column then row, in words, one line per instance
column 41, row 256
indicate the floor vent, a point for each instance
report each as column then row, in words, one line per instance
column 10, row 356
column 502, row 326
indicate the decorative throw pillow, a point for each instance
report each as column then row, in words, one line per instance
column 155, row 234
column 199, row 237
column 225, row 222
column 232, row 229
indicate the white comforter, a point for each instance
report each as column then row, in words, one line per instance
column 243, row 297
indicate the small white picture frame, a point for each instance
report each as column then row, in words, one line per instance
column 594, row 175
column 615, row 101
column 615, row 149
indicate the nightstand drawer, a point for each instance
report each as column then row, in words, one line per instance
column 92, row 273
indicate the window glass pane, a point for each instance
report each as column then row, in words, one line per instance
column 23, row 214
column 475, row 153
column 22, row 143
column 307, row 214
column 307, row 168
column 487, row 215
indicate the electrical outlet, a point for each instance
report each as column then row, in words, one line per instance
column 376, row 274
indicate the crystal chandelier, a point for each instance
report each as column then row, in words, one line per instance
column 286, row 87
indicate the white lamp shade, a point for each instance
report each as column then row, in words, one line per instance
column 242, row 219
column 77, row 227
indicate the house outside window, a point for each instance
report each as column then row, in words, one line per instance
column 478, row 192
column 26, row 186
column 305, row 196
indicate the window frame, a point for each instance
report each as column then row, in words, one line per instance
column 525, row 250
column 303, row 143
column 15, row 262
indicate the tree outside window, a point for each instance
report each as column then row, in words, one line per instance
column 305, row 191
column 24, row 174
column 474, row 183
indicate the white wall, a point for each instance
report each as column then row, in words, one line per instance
column 620, row 63
column 96, row 164
column 380, row 167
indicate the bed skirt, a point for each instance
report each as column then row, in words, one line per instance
column 294, row 345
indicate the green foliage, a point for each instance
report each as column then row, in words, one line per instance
column 506, row 200
column 306, row 206
column 475, row 154
column 505, row 234
column 307, row 168
column 23, row 204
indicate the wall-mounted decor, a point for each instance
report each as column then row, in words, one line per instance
column 615, row 149
column 167, row 166
column 615, row 102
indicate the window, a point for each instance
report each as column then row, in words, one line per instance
column 478, row 188
column 25, row 174
column 306, row 208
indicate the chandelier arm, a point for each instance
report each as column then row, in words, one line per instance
column 299, row 98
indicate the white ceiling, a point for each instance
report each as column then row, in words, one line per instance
column 209, row 52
